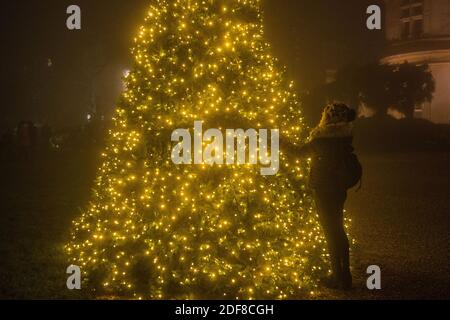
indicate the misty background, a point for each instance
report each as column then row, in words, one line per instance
column 51, row 74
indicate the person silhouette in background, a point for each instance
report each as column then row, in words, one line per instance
column 334, row 170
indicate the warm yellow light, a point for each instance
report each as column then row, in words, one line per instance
column 222, row 230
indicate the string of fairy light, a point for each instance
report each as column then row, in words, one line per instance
column 160, row 231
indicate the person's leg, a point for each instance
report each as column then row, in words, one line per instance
column 344, row 247
column 326, row 206
column 330, row 206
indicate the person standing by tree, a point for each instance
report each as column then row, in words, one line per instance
column 334, row 170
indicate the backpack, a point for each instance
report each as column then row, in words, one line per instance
column 351, row 171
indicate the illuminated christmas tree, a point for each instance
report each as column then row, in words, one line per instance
column 156, row 230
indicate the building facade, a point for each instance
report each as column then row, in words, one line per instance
column 418, row 32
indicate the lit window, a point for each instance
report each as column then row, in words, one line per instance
column 411, row 18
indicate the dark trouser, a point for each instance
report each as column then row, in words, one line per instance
column 330, row 206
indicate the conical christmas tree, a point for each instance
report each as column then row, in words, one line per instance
column 163, row 231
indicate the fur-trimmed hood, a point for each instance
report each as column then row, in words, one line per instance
column 335, row 130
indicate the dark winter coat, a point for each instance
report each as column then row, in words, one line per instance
column 327, row 155
column 329, row 146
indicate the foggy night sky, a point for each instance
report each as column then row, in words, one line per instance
column 308, row 37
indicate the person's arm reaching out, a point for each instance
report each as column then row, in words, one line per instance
column 293, row 150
